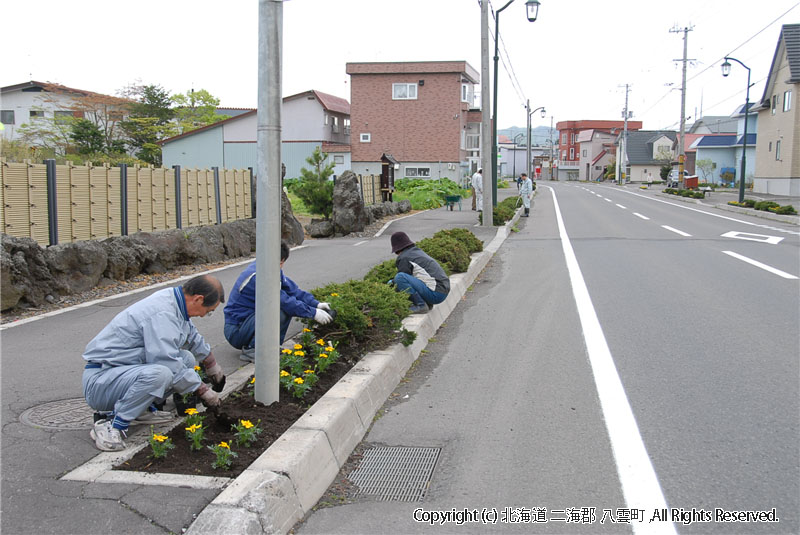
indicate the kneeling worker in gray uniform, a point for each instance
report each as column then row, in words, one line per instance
column 147, row 352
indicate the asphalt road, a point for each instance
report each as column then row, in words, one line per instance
column 654, row 370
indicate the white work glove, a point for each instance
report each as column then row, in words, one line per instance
column 322, row 317
column 208, row 396
column 213, row 370
column 324, row 306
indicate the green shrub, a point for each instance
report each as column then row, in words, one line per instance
column 784, row 210
column 503, row 212
column 425, row 194
column 749, row 203
column 368, row 314
column 670, row 191
column 382, row 273
column 470, row 241
column 685, row 193
column 698, row 195
column 449, row 252
column 502, row 184
column 765, row 205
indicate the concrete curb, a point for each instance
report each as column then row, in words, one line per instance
column 288, row 479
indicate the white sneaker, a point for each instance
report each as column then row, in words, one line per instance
column 106, row 437
column 154, row 417
column 248, row 354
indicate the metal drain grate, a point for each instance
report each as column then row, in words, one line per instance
column 395, row 473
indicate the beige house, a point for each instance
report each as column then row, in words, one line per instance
column 778, row 145
column 596, row 152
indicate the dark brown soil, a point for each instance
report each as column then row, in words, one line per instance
column 240, row 405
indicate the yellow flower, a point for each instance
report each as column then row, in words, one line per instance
column 190, row 411
column 247, row 424
column 329, row 349
column 308, row 371
column 253, row 380
column 298, row 346
column 224, row 444
column 334, row 294
column 299, row 354
column 287, row 351
column 160, row 438
column 299, row 380
column 197, row 369
column 194, row 427
column 321, row 342
column 306, row 330
column 284, row 373
column 323, row 356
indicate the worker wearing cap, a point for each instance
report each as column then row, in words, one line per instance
column 418, row 274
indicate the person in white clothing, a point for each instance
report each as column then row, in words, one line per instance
column 526, row 192
column 477, row 187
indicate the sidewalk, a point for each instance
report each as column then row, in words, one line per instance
column 43, row 381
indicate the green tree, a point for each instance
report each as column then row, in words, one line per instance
column 150, row 121
column 611, row 170
column 315, row 189
column 195, row 109
column 87, row 137
column 706, row 166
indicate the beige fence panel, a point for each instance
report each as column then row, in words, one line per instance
column 25, row 201
column 79, row 195
column 370, row 188
column 113, row 175
column 234, row 194
column 199, row 204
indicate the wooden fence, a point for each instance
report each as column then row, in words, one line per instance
column 370, row 188
column 65, row 203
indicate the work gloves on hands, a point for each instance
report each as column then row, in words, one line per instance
column 214, row 372
column 322, row 317
column 325, row 306
column 208, row 396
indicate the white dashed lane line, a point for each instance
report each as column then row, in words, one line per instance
column 622, row 207
column 637, row 214
column 676, row 231
column 758, row 264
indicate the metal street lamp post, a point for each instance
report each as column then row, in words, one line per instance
column 726, row 70
column 515, row 154
column 532, row 10
column 531, row 112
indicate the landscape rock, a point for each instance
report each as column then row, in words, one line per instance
column 76, row 267
column 24, row 275
column 320, row 228
column 126, row 256
column 291, row 228
column 349, row 213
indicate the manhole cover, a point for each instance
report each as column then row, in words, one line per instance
column 63, row 414
column 395, row 473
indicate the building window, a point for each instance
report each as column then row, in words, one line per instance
column 787, row 100
column 571, row 153
column 7, row 116
column 62, row 117
column 574, row 138
column 338, row 159
column 564, row 139
column 404, row 91
column 774, row 103
column 365, row 138
column 36, row 114
column 778, row 150
column 769, row 149
column 473, row 141
column 334, row 124
column 563, row 155
column 418, row 172
column 584, row 153
column 347, row 126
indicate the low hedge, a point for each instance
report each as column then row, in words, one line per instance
column 503, row 212
column 765, row 206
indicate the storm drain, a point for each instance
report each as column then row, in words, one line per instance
column 395, row 473
column 63, row 414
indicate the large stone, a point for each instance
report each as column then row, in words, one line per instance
column 207, row 244
column 320, row 228
column 291, row 228
column 24, row 275
column 171, row 249
column 126, row 257
column 349, row 213
column 76, row 267
column 404, row 206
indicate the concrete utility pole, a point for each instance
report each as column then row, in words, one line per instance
column 528, row 136
column 624, row 152
column 486, row 124
column 682, row 137
column 268, row 195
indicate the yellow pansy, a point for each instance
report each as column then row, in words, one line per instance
column 247, row 424
column 298, row 346
column 329, row 349
column 194, row 427
column 190, row 411
column 253, row 380
column 321, row 342
column 160, row 438
column 306, row 330
column 308, row 371
column 299, row 380
column 323, row 356
column 334, row 294
column 284, row 373
column 224, row 444
column 299, row 353
column 197, row 369
column 287, row 351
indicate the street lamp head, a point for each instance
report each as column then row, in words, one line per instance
column 544, row 113
column 532, row 8
column 726, row 67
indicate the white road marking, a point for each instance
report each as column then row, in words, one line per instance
column 676, row 231
column 638, row 479
column 609, row 200
column 713, row 214
column 758, row 264
column 359, row 243
column 637, row 214
column 763, row 238
column 392, row 221
column 622, row 207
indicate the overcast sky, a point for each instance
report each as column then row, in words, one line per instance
column 575, row 59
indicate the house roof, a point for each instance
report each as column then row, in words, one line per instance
column 725, row 140
column 414, row 67
column 640, row 144
column 689, row 139
column 330, row 147
column 718, row 124
column 49, row 87
column 789, row 40
column 329, row 102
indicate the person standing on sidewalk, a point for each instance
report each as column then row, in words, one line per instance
column 418, row 275
column 240, row 312
column 147, row 351
column 477, row 189
column 526, row 192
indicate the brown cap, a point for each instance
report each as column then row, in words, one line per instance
column 400, row 241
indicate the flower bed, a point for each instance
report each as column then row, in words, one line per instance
column 765, row 206
column 369, row 317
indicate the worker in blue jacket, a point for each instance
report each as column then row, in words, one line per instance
column 240, row 312
column 148, row 351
